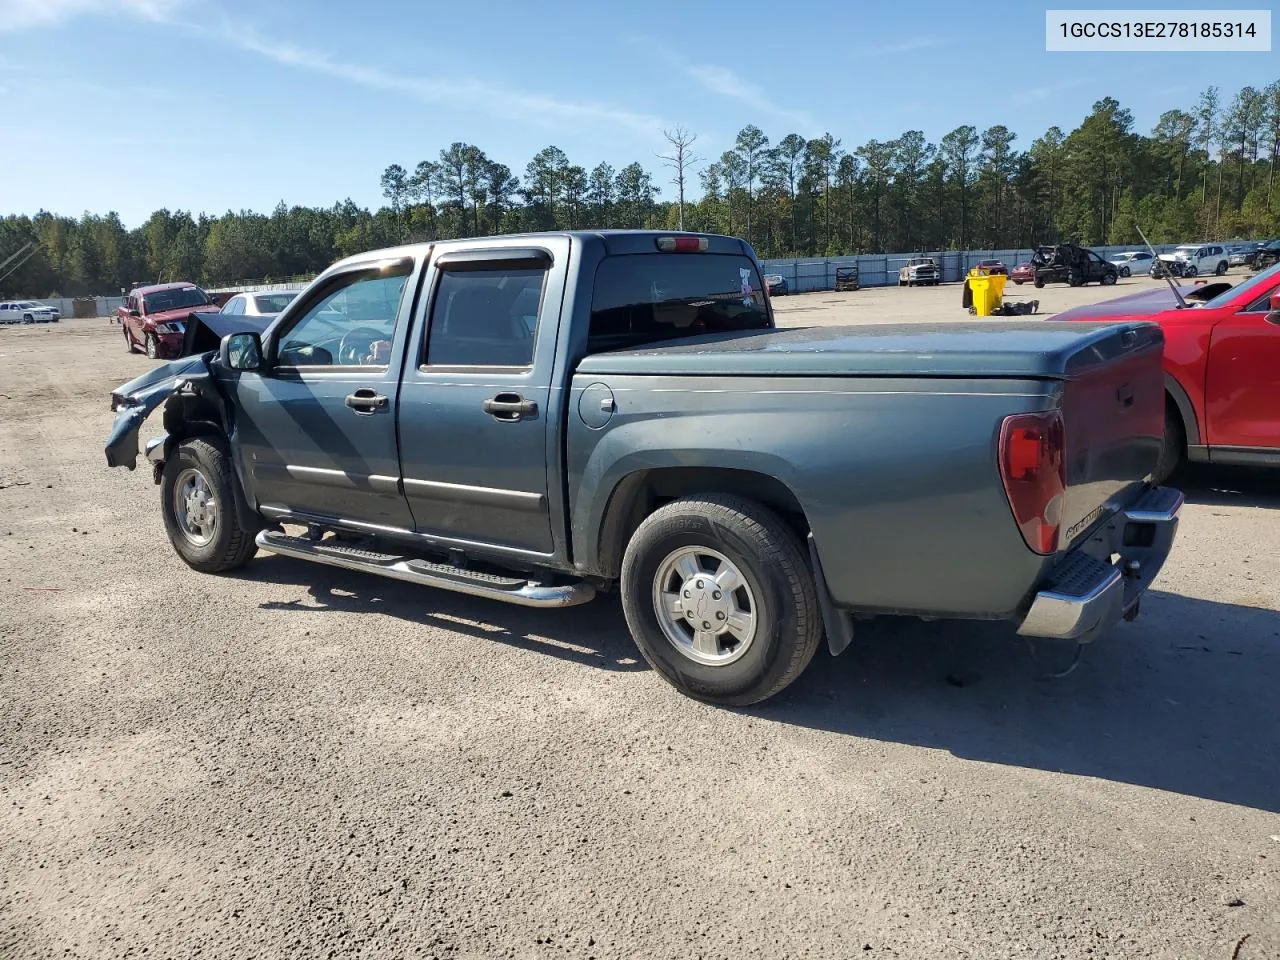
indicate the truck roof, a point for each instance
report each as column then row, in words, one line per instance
column 618, row 241
column 153, row 288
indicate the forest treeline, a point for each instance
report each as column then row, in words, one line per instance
column 1206, row 172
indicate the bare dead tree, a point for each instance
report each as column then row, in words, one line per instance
column 680, row 159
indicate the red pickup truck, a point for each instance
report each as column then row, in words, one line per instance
column 1221, row 367
column 154, row 317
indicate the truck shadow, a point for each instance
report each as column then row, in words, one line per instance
column 1216, row 485
column 593, row 635
column 1183, row 699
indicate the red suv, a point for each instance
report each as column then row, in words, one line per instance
column 154, row 318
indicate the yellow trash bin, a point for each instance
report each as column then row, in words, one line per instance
column 988, row 291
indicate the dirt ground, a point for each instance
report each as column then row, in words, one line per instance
column 293, row 761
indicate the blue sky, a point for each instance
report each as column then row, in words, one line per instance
column 209, row 105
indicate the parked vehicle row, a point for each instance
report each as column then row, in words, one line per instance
column 538, row 418
column 155, row 318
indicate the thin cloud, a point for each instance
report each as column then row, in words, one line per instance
column 496, row 100
column 18, row 15
column 1032, row 95
column 724, row 82
column 490, row 98
column 907, row 46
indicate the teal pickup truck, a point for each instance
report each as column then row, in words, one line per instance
column 539, row 418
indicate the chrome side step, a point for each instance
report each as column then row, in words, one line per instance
column 525, row 593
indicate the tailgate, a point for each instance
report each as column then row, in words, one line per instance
column 1113, row 412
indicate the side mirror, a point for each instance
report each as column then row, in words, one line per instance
column 1273, row 315
column 241, row 351
column 134, row 312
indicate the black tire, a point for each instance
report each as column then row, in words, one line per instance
column 153, row 346
column 230, row 545
column 1220, row 269
column 1039, row 282
column 768, row 555
column 1191, row 270
column 1125, row 272
column 1074, row 278
column 1174, row 445
column 128, row 340
column 1108, row 279
column 1017, row 283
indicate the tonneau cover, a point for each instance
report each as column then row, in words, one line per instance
column 1044, row 349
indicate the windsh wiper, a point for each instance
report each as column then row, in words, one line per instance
column 1155, row 258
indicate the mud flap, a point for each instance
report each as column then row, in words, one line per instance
column 838, row 623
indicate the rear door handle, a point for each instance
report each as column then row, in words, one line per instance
column 365, row 401
column 509, row 407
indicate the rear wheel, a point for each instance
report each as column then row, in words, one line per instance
column 1173, row 445
column 1108, row 279
column 1074, row 278
column 1039, row 283
column 1221, row 268
column 719, row 599
column 198, row 504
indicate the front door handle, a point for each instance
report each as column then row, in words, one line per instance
column 509, row 407
column 365, row 401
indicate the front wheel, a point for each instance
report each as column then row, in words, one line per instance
column 1039, row 283
column 153, row 346
column 719, row 599
column 198, row 504
column 1108, row 279
column 128, row 341
column 1190, row 271
column 1125, row 272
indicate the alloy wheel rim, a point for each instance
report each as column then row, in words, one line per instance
column 705, row 606
column 195, row 507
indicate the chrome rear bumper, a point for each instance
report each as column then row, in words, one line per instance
column 1089, row 591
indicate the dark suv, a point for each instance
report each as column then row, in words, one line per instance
column 1067, row 263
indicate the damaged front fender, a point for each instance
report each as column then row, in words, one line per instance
column 136, row 400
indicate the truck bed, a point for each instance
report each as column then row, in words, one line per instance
column 1044, row 349
column 887, row 434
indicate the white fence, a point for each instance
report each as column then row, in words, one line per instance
column 881, row 269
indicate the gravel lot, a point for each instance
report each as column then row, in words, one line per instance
column 293, row 761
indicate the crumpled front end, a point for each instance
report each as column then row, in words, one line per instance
column 135, row 401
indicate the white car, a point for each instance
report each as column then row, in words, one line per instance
column 265, row 304
column 25, row 311
column 1132, row 261
column 1199, row 258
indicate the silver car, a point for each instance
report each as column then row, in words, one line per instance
column 1133, row 261
column 267, row 303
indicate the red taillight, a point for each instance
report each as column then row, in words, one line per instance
column 682, row 244
column 1033, row 468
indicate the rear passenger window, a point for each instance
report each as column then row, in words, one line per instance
column 648, row 297
column 485, row 318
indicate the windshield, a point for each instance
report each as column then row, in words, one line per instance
column 273, row 302
column 643, row 298
column 1187, row 250
column 163, row 300
column 1259, row 280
